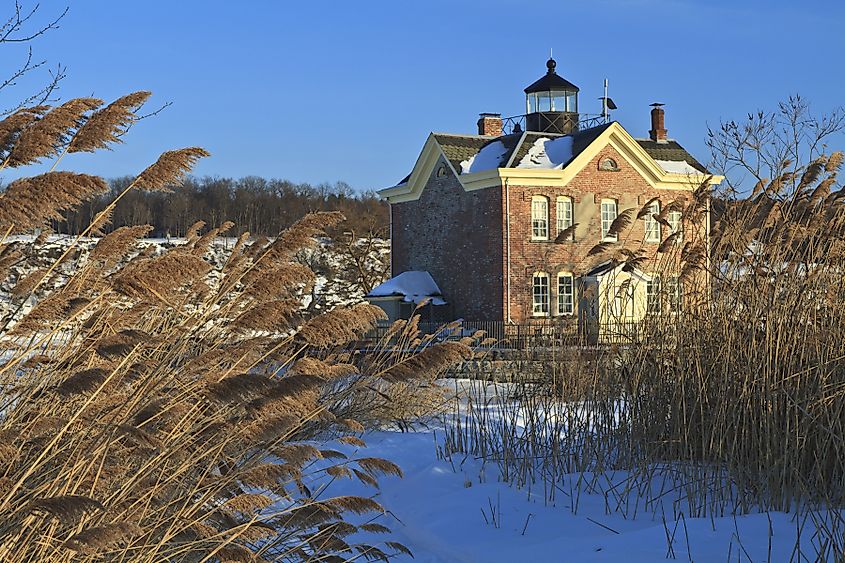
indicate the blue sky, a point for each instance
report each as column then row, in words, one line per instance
column 325, row 91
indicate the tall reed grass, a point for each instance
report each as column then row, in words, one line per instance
column 167, row 406
column 733, row 404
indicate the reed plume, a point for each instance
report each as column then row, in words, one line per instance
column 44, row 136
column 30, row 202
column 169, row 169
column 143, row 391
column 100, row 538
column 105, row 126
column 11, row 126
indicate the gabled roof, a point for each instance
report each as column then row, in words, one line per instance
column 484, row 161
column 460, row 148
column 457, row 148
column 670, row 150
column 580, row 141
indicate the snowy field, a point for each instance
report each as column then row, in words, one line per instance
column 458, row 511
column 447, row 513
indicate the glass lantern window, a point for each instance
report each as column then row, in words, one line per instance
column 552, row 101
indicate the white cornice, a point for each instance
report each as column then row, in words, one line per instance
column 614, row 135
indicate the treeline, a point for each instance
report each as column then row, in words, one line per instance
column 257, row 205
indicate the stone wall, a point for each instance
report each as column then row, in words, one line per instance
column 457, row 237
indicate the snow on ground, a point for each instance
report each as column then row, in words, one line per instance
column 458, row 511
column 677, row 167
column 444, row 513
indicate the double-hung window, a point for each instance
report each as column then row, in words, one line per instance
column 675, row 291
column 609, row 211
column 652, row 227
column 565, row 294
column 539, row 218
column 564, row 214
column 675, row 224
column 540, row 294
column 652, row 296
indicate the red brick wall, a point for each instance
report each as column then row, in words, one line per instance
column 490, row 125
column 457, row 237
column 587, row 190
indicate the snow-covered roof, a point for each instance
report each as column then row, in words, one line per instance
column 548, row 153
column 517, row 150
column 545, row 152
column 489, row 157
column 678, row 167
column 412, row 287
column 480, row 154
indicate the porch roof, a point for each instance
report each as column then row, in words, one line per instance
column 411, row 287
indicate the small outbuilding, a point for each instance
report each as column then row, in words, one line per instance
column 400, row 296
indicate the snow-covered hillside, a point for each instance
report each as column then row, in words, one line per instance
column 345, row 270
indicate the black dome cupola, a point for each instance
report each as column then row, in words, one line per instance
column 551, row 103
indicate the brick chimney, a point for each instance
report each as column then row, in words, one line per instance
column 658, row 131
column 490, row 124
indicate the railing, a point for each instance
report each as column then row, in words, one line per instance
column 534, row 335
column 562, row 123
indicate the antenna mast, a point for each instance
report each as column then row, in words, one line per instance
column 604, row 101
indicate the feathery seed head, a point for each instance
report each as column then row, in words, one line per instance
column 107, row 125
column 169, row 169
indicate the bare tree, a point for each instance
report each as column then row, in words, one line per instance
column 366, row 260
column 769, row 152
column 21, row 28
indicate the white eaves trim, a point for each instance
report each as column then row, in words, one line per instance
column 614, row 136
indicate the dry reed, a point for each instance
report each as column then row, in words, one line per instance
column 729, row 405
column 154, row 407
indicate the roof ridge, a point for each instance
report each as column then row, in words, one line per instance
column 465, row 135
column 650, row 140
column 515, row 149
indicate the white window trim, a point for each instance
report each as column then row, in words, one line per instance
column 565, row 203
column 534, row 311
column 675, row 295
column 652, row 225
column 571, row 294
column 604, row 236
column 545, row 201
column 655, row 279
column 676, row 226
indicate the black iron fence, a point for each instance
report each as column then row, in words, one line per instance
column 534, row 335
column 563, row 124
